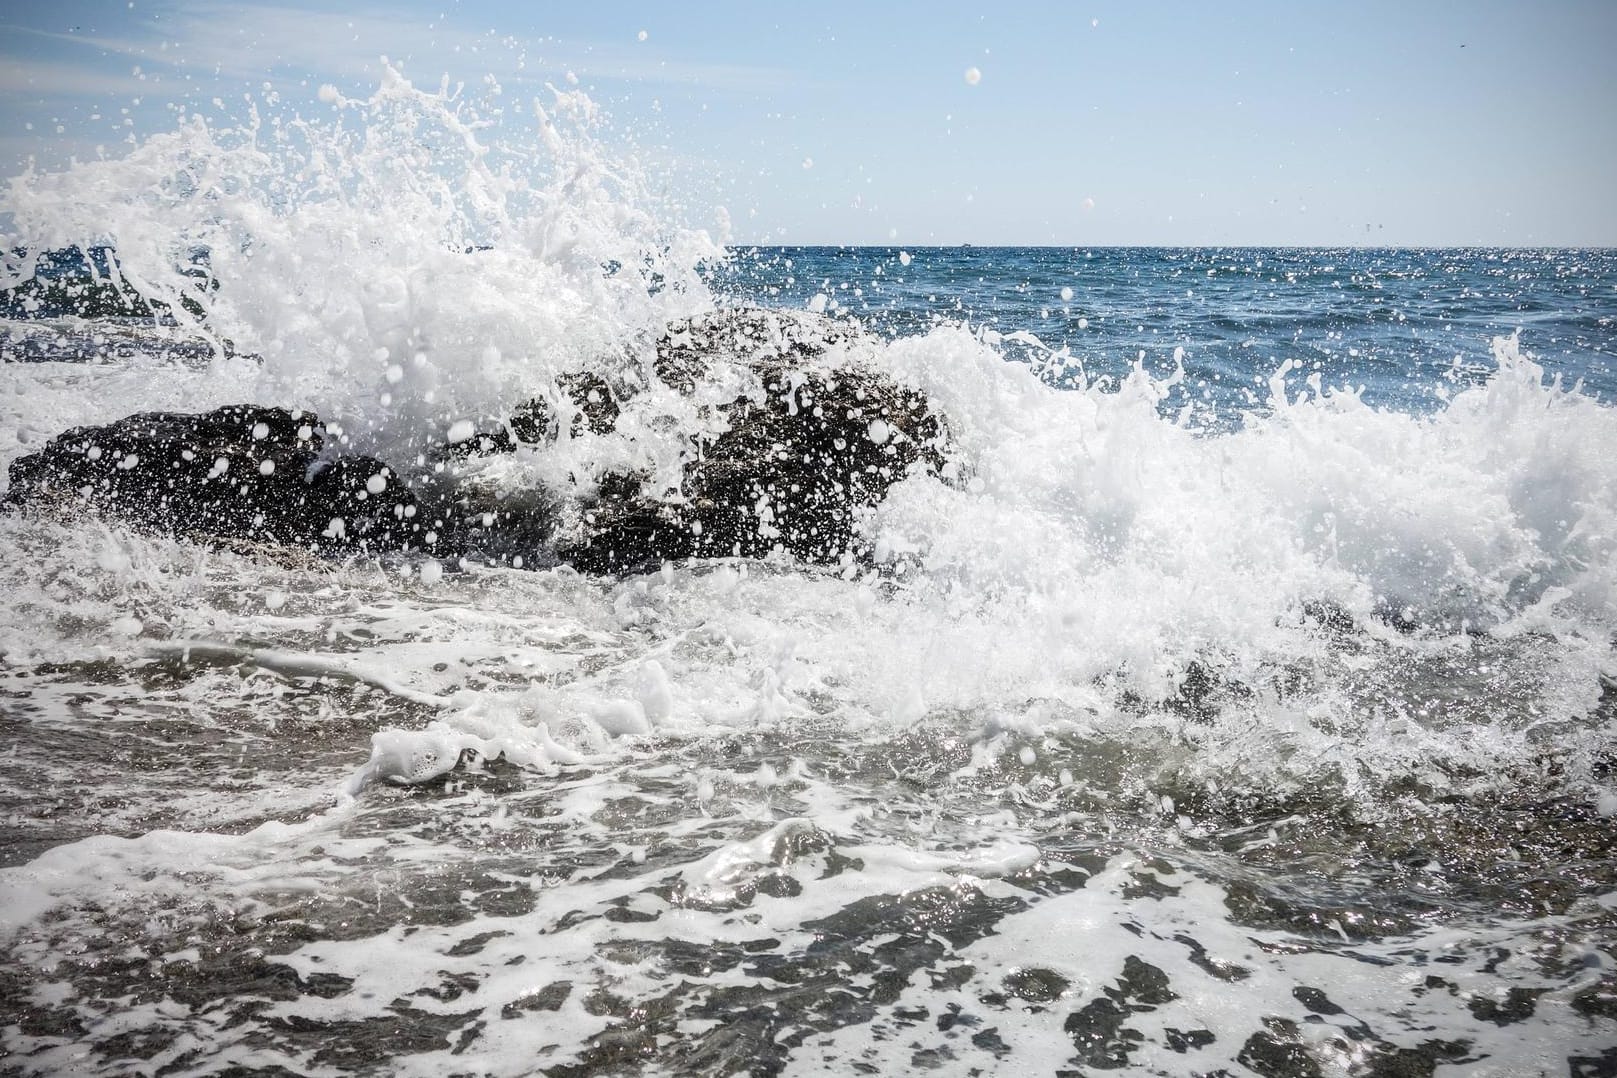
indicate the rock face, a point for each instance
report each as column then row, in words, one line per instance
column 238, row 473
column 798, row 442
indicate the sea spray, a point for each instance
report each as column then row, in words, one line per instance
column 401, row 263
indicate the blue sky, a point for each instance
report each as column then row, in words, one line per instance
column 1090, row 123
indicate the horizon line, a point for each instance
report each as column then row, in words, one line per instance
column 1184, row 246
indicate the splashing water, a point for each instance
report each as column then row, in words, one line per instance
column 1283, row 745
column 386, row 263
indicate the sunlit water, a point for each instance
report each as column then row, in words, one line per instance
column 1208, row 716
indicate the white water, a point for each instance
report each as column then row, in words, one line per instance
column 210, row 736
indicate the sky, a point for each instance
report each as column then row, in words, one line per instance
column 1075, row 123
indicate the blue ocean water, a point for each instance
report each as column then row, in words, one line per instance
column 1406, row 324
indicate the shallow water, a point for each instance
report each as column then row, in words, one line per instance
column 1275, row 736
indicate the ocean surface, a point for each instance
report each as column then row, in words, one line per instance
column 1242, row 701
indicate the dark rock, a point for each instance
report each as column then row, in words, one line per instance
column 237, row 473
column 533, row 422
column 480, row 444
column 762, row 339
column 595, row 402
column 90, row 283
column 807, row 442
column 72, row 281
column 1036, row 984
column 809, row 448
column 1278, row 1052
column 1203, row 692
column 589, row 397
column 496, row 526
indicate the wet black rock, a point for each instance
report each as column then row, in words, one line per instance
column 588, row 398
column 90, row 283
column 796, row 441
column 480, row 444
column 692, row 349
column 595, row 402
column 809, row 446
column 237, row 473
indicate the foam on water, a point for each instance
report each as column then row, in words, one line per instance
column 1137, row 743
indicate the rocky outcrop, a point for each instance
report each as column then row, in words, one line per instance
column 797, row 441
column 238, row 473
column 809, row 445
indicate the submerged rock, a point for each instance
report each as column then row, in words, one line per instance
column 237, row 473
column 797, row 440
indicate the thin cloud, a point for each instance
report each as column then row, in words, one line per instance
column 64, row 78
column 97, row 42
column 255, row 42
column 187, row 44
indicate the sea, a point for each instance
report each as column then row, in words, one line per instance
column 1241, row 699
